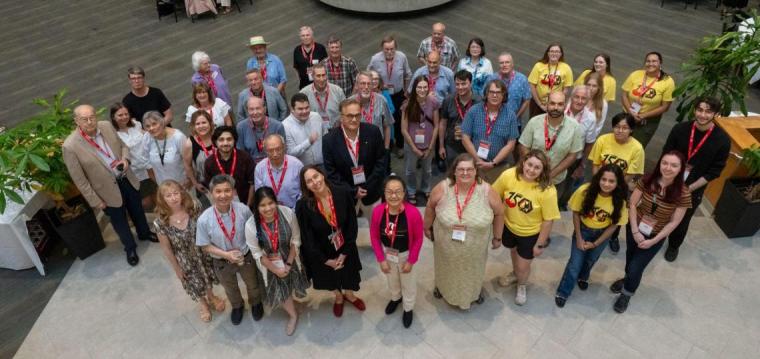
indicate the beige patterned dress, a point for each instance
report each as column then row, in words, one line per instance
column 461, row 266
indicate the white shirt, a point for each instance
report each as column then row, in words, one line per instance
column 220, row 110
column 172, row 167
column 297, row 135
column 134, row 138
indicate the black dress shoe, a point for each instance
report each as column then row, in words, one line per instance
column 132, row 258
column 559, row 301
column 407, row 319
column 621, row 304
column 617, row 287
column 671, row 254
column 392, row 305
column 257, row 311
column 152, row 238
column 614, row 245
column 582, row 284
column 237, row 315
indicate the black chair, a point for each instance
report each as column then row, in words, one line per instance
column 166, row 8
column 685, row 3
column 237, row 4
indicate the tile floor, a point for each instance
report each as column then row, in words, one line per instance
column 702, row 306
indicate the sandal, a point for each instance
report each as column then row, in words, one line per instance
column 205, row 313
column 218, row 303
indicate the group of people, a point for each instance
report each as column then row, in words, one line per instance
column 272, row 193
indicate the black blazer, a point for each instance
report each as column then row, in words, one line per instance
column 338, row 162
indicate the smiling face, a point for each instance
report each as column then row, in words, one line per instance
column 703, row 114
column 255, row 108
column 320, row 78
column 86, row 119
column 622, row 131
column 364, row 86
column 267, row 208
column 532, row 168
column 394, row 193
column 202, row 97
column 422, row 89
column 438, row 33
column 307, row 37
column 600, row 65
column 375, row 81
column 350, row 117
column 122, row 117
column 608, row 182
column 172, row 195
column 556, row 104
column 464, row 87
column 275, row 150
column 315, row 181
column 433, row 62
column 670, row 165
column 202, row 125
column 593, row 87
column 506, row 65
column 154, row 127
column 204, row 66
column 260, row 51
column 334, row 49
column 475, row 49
column 301, row 110
column 225, row 143
column 652, row 64
column 222, row 194
column 554, row 54
column 255, row 82
column 389, row 49
column 580, row 99
column 465, row 172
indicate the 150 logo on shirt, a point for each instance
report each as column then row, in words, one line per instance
column 610, row 158
column 600, row 214
column 516, row 199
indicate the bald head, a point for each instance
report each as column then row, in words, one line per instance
column 433, row 61
column 439, row 31
column 274, row 146
column 86, row 119
column 556, row 104
column 83, row 110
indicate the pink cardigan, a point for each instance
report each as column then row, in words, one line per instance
column 414, row 228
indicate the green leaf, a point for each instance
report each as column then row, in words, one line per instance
column 13, row 196
column 39, row 162
column 2, row 202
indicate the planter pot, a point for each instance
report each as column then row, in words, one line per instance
column 81, row 234
column 734, row 214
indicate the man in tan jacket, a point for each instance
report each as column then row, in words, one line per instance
column 98, row 162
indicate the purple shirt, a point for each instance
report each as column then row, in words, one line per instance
column 220, row 84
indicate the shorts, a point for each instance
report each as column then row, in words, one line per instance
column 524, row 244
column 147, row 188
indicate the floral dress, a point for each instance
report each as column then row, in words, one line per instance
column 196, row 264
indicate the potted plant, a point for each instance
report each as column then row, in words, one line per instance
column 31, row 159
column 721, row 67
column 738, row 208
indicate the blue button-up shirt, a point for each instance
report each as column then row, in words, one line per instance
column 275, row 69
column 518, row 89
column 503, row 130
column 248, row 136
column 290, row 190
column 444, row 85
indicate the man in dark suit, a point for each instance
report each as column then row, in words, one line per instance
column 354, row 156
column 98, row 162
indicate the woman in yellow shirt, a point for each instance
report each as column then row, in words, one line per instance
column 530, row 208
column 550, row 74
column 621, row 149
column 598, row 210
column 647, row 94
column 603, row 68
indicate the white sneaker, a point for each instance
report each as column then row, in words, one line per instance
column 507, row 279
column 522, row 294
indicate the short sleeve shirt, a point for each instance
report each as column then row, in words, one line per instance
column 569, row 140
column 664, row 210
column 448, row 50
column 526, row 205
column 609, row 85
column 503, row 130
column 656, row 93
column 540, row 76
column 209, row 232
column 601, row 215
column 628, row 156
column 154, row 100
column 275, row 70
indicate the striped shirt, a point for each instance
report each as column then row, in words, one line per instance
column 663, row 211
column 342, row 73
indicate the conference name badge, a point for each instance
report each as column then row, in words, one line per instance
column 391, row 255
column 646, row 225
column 277, row 261
column 483, row 149
column 458, row 232
column 358, row 175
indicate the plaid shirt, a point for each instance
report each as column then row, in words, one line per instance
column 342, row 73
column 449, row 52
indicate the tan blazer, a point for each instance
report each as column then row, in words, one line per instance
column 93, row 178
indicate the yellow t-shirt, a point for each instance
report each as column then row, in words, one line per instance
column 609, row 83
column 629, row 156
column 601, row 216
column 527, row 206
column 539, row 76
column 661, row 91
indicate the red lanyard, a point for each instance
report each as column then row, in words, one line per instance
column 333, row 221
column 693, row 151
column 389, row 69
column 263, row 70
column 490, row 121
column 460, row 208
column 277, row 187
column 351, row 149
column 431, row 82
column 229, row 235
column 219, row 164
column 322, row 107
column 466, row 107
column 311, row 53
column 368, row 115
column 263, row 95
column 391, row 232
column 94, row 144
column 274, row 237
column 210, row 81
column 642, row 90
column 203, row 146
column 335, row 72
column 578, row 117
column 548, row 143
column 511, row 77
column 260, row 141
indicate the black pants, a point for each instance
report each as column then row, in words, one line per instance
column 397, row 99
column 131, row 203
column 676, row 238
column 636, row 261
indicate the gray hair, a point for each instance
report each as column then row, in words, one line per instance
column 153, row 116
column 221, row 179
column 198, row 57
column 273, row 136
column 577, row 88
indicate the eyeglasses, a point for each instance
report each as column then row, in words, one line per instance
column 92, row 118
column 398, row 193
column 352, row 115
column 621, row 128
column 494, row 93
column 465, row 170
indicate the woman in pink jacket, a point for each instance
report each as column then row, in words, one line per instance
column 396, row 235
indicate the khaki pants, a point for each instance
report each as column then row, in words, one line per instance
column 227, row 273
column 402, row 284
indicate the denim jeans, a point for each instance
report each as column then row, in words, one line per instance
column 636, row 260
column 580, row 263
column 410, row 169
